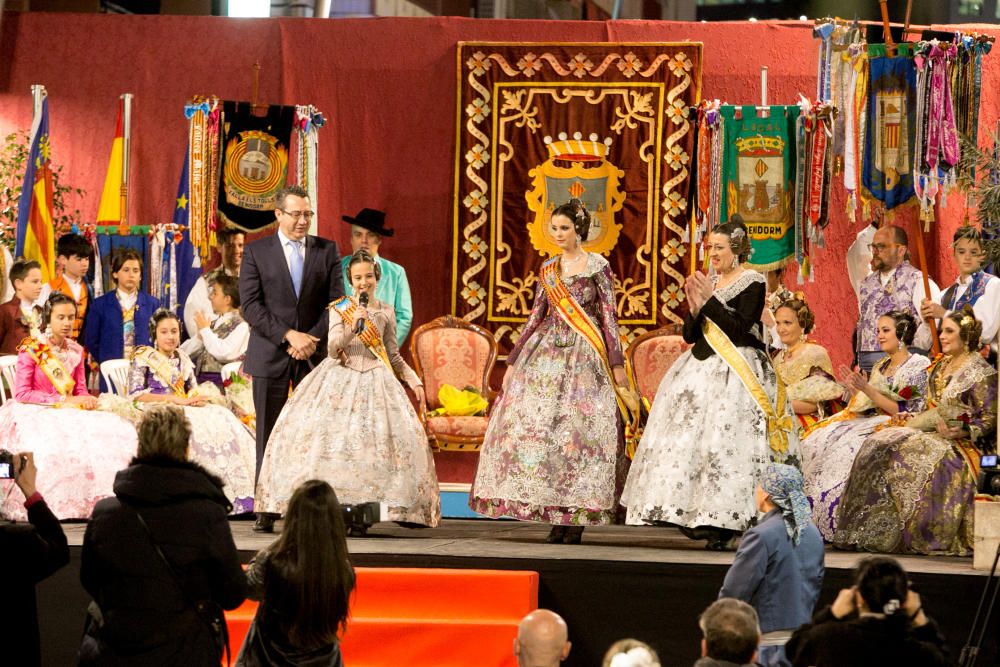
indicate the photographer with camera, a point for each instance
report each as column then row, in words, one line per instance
column 28, row 554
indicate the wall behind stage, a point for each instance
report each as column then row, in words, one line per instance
column 388, row 87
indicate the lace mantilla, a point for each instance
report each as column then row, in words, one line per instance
column 595, row 264
column 730, row 291
column 973, row 372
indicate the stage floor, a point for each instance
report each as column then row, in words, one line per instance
column 484, row 538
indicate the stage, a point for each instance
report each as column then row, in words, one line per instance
column 644, row 582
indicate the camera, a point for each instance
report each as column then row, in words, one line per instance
column 359, row 518
column 989, row 475
column 6, row 464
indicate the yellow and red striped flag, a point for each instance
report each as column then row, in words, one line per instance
column 110, row 210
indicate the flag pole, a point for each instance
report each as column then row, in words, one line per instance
column 126, row 153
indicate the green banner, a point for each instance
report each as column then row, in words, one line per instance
column 758, row 172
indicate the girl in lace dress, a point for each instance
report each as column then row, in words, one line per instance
column 898, row 383
column 912, row 486
column 719, row 417
column 350, row 422
column 554, row 451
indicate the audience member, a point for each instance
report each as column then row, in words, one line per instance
column 21, row 316
column 630, row 653
column 28, row 554
column 229, row 242
column 74, row 254
column 159, row 558
column 778, row 567
column 729, row 634
column 878, row 621
column 542, row 640
column 304, row 582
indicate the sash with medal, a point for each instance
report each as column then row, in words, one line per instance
column 779, row 423
column 345, row 307
column 572, row 313
column 50, row 363
column 164, row 371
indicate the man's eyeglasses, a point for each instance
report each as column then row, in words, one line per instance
column 295, row 215
column 879, row 247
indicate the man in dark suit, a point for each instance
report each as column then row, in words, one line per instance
column 286, row 282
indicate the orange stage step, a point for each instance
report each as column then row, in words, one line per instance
column 426, row 617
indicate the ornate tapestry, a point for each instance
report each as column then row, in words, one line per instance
column 538, row 124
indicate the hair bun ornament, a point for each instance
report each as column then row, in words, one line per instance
column 737, row 234
column 636, row 657
column 890, row 607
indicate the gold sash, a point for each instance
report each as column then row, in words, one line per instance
column 369, row 336
column 50, row 363
column 562, row 301
column 779, row 424
column 162, row 368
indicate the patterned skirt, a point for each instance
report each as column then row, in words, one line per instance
column 705, row 446
column 909, row 492
column 553, row 450
column 358, row 432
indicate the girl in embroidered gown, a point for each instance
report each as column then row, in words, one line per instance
column 350, row 422
column 803, row 365
column 898, row 383
column 118, row 322
column 554, row 450
column 165, row 374
column 912, row 487
column 708, row 439
column 78, row 451
column 973, row 286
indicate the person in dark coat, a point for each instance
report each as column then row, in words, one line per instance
column 878, row 621
column 778, row 568
column 28, row 554
column 159, row 558
column 287, row 280
column 304, row 582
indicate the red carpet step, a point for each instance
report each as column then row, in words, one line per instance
column 423, row 617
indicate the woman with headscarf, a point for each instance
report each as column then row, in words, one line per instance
column 778, row 568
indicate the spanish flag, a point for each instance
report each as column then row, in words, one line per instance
column 35, row 227
column 110, row 210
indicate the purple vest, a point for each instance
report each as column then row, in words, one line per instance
column 877, row 300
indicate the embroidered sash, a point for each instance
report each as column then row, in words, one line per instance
column 779, row 424
column 563, row 303
column 164, row 371
column 346, row 307
column 50, row 363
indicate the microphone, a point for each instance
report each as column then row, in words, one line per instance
column 363, row 302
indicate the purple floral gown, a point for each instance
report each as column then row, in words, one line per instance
column 553, row 450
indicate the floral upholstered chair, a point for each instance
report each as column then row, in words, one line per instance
column 450, row 350
column 650, row 356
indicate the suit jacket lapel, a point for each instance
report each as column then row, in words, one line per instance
column 310, row 258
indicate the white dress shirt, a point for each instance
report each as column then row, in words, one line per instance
column 287, row 247
column 224, row 350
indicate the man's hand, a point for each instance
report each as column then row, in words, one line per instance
column 25, row 473
column 201, row 320
column 301, row 346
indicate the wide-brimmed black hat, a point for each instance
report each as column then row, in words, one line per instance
column 371, row 219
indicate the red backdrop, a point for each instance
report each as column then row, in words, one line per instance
column 388, row 87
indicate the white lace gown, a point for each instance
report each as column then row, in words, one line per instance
column 706, row 443
column 830, row 447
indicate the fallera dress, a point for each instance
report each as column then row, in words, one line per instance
column 554, row 449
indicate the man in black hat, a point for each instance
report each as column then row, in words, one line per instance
column 367, row 231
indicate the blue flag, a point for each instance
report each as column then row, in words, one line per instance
column 188, row 263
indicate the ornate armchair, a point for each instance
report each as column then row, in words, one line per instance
column 450, row 350
column 650, row 356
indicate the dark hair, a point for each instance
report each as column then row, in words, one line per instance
column 803, row 313
column 906, row 325
column 899, row 235
column 882, row 584
column 227, row 234
column 314, row 577
column 578, row 215
column 229, row 286
column 731, row 630
column 20, row 269
column 74, row 245
column 123, row 255
column 739, row 238
column 969, row 233
column 159, row 315
column 285, row 192
column 362, row 256
column 56, row 299
column 970, row 330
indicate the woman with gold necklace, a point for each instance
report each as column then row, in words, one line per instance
column 912, row 486
column 554, row 450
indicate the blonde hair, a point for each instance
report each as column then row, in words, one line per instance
column 632, row 653
column 164, row 431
